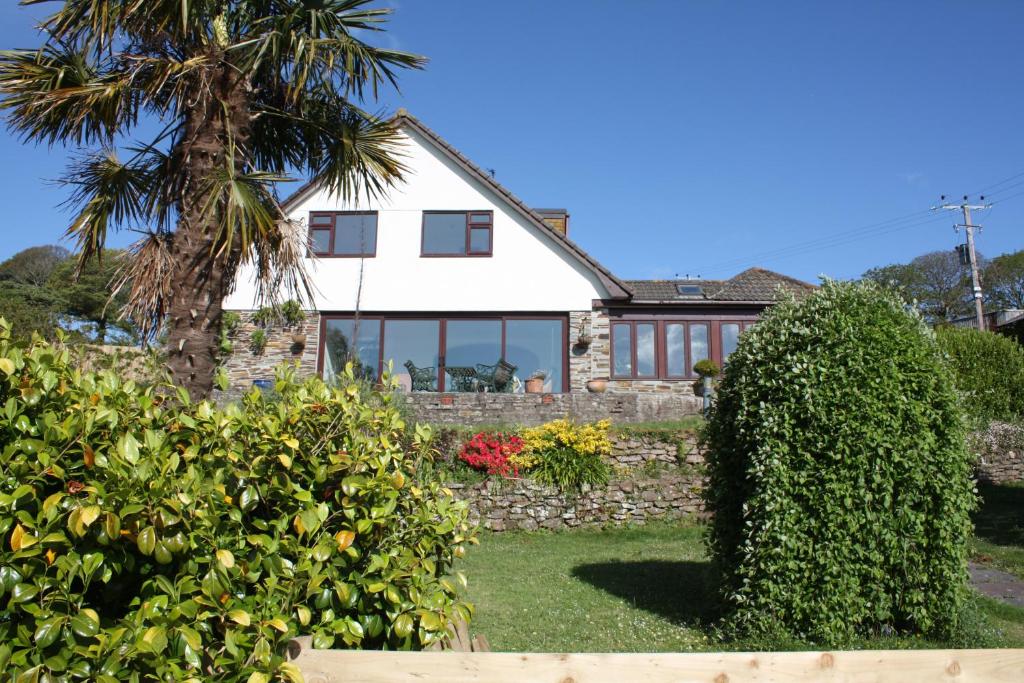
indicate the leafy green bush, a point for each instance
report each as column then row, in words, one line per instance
column 569, row 469
column 707, row 368
column 988, row 370
column 151, row 538
column 839, row 477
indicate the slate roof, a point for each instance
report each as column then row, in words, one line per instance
column 754, row 285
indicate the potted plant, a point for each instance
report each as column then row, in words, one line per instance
column 597, row 385
column 258, row 341
column 293, row 317
column 582, row 337
column 707, row 369
column 535, row 383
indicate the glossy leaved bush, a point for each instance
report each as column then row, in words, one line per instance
column 988, row 369
column 150, row 538
column 839, row 477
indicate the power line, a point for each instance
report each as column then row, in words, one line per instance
column 908, row 221
column 904, row 222
column 988, row 189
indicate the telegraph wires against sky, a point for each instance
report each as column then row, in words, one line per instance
column 905, row 222
column 923, row 217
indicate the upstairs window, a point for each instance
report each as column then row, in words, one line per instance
column 343, row 233
column 457, row 233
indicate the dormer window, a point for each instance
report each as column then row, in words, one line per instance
column 457, row 233
column 343, row 233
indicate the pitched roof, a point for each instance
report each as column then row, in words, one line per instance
column 754, row 285
column 617, row 289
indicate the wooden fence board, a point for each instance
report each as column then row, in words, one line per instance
column 874, row 666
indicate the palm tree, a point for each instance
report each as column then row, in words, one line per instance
column 246, row 91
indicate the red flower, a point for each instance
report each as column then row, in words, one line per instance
column 490, row 453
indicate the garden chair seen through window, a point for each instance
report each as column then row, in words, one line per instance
column 422, row 378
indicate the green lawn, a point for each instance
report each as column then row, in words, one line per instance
column 999, row 527
column 646, row 589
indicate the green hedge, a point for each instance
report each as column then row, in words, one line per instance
column 839, row 478
column 989, row 372
column 146, row 537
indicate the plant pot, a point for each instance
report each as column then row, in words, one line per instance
column 583, row 341
column 298, row 339
column 704, row 385
column 597, row 386
column 535, row 385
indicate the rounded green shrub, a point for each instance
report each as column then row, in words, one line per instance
column 988, row 369
column 838, row 474
column 149, row 538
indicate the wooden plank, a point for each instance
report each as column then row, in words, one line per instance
column 875, row 666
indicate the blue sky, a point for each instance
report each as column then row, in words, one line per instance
column 698, row 136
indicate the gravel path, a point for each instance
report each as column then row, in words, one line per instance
column 997, row 584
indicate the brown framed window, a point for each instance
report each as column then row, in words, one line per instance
column 635, row 350
column 343, row 234
column 457, row 233
column 659, row 349
column 445, row 345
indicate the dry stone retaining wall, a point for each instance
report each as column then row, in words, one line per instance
column 636, row 495
column 1000, row 451
column 507, row 505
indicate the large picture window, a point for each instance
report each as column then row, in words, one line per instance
column 457, row 233
column 451, row 353
column 343, row 233
column 668, row 349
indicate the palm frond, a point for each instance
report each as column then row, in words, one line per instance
column 280, row 266
column 243, row 204
column 110, row 194
column 311, row 45
column 148, row 273
column 99, row 24
column 352, row 152
column 58, row 94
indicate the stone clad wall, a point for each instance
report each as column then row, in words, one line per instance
column 507, row 505
column 534, row 409
column 1000, row 453
column 243, row 366
column 634, row 496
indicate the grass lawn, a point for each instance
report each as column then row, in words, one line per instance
column 646, row 589
column 999, row 527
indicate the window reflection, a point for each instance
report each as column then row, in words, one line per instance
column 355, row 341
column 536, row 346
column 730, row 339
column 622, row 350
column 412, row 347
column 698, row 344
column 645, row 358
column 675, row 349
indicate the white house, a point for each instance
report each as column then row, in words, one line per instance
column 464, row 288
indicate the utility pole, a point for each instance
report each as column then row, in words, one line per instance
column 966, row 208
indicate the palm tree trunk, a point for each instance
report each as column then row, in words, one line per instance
column 203, row 277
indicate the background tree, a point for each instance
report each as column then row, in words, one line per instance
column 33, row 266
column 85, row 291
column 1004, row 281
column 245, row 90
column 936, row 281
column 26, row 300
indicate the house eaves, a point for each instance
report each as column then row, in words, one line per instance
column 617, row 289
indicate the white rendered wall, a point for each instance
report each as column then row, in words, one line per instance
column 529, row 271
